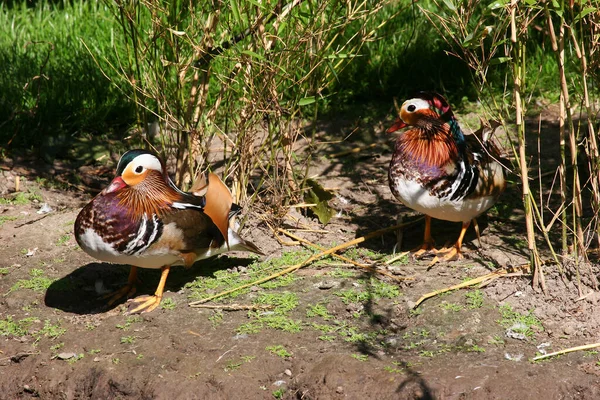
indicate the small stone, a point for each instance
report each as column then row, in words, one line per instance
column 288, row 372
column 568, row 330
column 325, row 285
column 279, row 383
column 65, row 356
column 339, row 390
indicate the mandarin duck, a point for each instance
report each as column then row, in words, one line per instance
column 439, row 171
column 144, row 220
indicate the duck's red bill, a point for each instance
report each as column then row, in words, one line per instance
column 116, row 185
column 399, row 124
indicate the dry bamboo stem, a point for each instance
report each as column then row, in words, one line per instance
column 565, row 351
column 233, row 307
column 481, row 279
column 305, row 262
column 346, row 259
column 518, row 72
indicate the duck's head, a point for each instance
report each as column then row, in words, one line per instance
column 136, row 167
column 422, row 110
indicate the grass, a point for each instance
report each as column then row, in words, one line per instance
column 276, row 318
column 451, row 306
column 129, row 321
column 232, row 366
column 318, row 310
column 168, row 304
column 216, row 318
column 78, row 357
column 7, row 218
column 71, row 94
column 38, row 281
column 279, row 351
column 63, row 239
column 128, row 339
column 523, row 323
column 9, row 327
column 23, row 327
column 373, row 290
column 50, row 331
column 222, row 280
column 21, row 198
column 278, row 393
column 360, row 357
column 474, row 299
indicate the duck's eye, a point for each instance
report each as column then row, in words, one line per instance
column 411, row 108
column 139, row 169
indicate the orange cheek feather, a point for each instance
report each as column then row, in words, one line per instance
column 131, row 178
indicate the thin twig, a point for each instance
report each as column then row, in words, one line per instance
column 348, row 260
column 234, row 307
column 565, row 351
column 306, row 262
column 471, row 282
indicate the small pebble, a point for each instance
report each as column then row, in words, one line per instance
column 325, row 285
column 339, row 390
column 288, row 372
column 568, row 330
column 66, row 356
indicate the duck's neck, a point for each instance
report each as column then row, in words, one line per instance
column 428, row 146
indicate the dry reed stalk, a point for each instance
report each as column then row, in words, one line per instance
column 306, row 262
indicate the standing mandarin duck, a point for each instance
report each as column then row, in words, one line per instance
column 441, row 172
column 144, row 220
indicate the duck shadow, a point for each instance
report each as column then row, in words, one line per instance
column 81, row 291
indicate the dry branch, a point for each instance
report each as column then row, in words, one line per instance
column 306, row 262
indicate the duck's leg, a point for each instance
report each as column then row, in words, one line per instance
column 476, row 227
column 126, row 291
column 454, row 253
column 427, row 240
column 146, row 303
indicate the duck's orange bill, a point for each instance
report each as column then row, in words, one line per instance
column 399, row 124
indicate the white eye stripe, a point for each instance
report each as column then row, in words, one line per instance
column 146, row 161
column 413, row 105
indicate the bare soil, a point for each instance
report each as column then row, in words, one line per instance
column 458, row 345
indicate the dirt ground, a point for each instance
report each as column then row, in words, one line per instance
column 348, row 334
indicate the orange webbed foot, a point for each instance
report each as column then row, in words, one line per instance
column 423, row 250
column 146, row 303
column 126, row 291
column 143, row 304
column 451, row 254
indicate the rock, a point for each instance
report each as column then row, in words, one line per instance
column 515, row 331
column 568, row 330
column 65, row 356
column 513, row 357
column 288, row 372
column 325, row 285
column 339, row 390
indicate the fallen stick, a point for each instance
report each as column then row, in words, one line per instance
column 471, row 282
column 565, row 351
column 233, row 307
column 394, row 259
column 346, row 259
column 306, row 262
